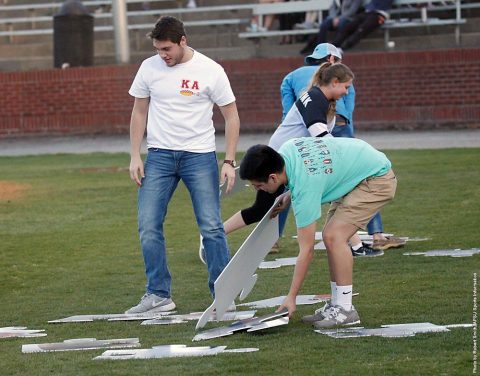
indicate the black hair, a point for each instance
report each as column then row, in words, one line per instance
column 168, row 28
column 259, row 162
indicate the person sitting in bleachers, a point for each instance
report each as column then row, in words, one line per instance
column 340, row 13
column 375, row 14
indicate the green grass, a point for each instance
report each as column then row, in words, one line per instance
column 69, row 245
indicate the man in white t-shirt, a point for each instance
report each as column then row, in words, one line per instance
column 174, row 92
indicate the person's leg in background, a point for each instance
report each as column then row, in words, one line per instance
column 321, row 37
column 370, row 22
column 380, row 241
column 350, row 28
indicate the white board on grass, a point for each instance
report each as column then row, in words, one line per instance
column 391, row 331
column 239, row 276
column 77, row 344
column 169, row 351
column 21, row 331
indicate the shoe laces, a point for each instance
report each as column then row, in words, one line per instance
column 145, row 296
column 323, row 309
column 332, row 312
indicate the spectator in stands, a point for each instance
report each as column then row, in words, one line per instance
column 293, row 86
column 175, row 92
column 287, row 21
column 310, row 21
column 268, row 19
column 375, row 14
column 339, row 15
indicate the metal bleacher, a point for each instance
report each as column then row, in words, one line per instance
column 219, row 27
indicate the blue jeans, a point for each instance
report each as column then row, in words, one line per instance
column 327, row 25
column 343, row 131
column 163, row 171
column 375, row 225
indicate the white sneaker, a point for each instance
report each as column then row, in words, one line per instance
column 306, row 25
column 152, row 303
column 191, row 4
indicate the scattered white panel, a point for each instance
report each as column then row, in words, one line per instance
column 454, row 326
column 369, row 240
column 396, row 330
column 275, row 302
column 269, row 324
column 178, row 319
column 238, row 276
column 363, row 235
column 169, row 351
column 21, row 331
column 446, row 252
column 242, row 325
column 166, row 321
column 81, row 344
column 112, row 317
column 279, row 262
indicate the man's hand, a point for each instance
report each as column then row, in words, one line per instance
column 290, row 304
column 136, row 170
column 281, row 206
column 228, row 173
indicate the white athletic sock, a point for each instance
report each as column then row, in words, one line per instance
column 333, row 288
column 356, row 247
column 344, row 297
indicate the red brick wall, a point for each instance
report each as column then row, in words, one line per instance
column 402, row 90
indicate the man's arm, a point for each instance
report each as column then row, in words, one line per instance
column 138, row 123
column 232, row 130
column 306, row 241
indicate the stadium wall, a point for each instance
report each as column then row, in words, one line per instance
column 395, row 90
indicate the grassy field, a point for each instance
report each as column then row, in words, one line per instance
column 69, row 245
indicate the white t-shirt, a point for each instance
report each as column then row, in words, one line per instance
column 181, row 101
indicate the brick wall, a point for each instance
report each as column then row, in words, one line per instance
column 401, row 90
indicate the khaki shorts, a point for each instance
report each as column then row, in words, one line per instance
column 364, row 201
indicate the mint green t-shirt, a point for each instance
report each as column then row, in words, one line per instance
column 321, row 170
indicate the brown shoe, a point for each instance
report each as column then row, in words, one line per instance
column 389, row 242
column 275, row 249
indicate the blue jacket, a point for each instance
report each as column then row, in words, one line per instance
column 296, row 82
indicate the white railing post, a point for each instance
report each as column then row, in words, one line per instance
column 120, row 27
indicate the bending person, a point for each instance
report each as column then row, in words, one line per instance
column 313, row 114
column 350, row 174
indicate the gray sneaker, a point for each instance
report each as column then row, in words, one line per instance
column 318, row 315
column 152, row 303
column 337, row 316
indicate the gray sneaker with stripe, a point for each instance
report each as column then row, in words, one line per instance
column 338, row 316
column 152, row 303
column 318, row 315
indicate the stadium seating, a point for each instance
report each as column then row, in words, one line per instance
column 219, row 28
